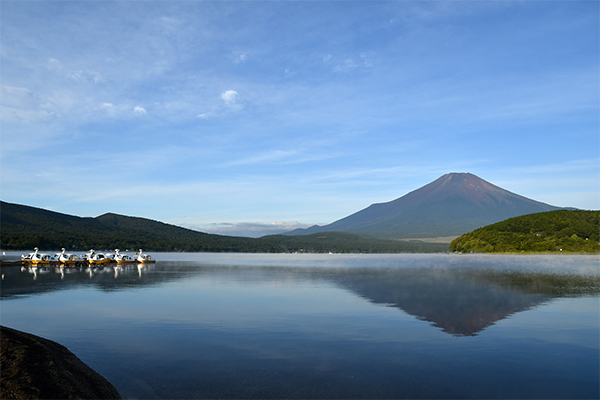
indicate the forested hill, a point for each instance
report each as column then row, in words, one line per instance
column 553, row 231
column 24, row 227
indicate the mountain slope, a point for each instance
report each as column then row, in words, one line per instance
column 449, row 206
column 25, row 227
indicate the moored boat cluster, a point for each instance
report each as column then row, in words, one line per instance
column 93, row 257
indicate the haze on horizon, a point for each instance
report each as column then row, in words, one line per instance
column 256, row 117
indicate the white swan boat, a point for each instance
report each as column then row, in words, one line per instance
column 37, row 258
column 65, row 258
column 98, row 258
column 122, row 258
column 144, row 258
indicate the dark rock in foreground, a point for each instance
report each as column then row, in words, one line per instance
column 37, row 368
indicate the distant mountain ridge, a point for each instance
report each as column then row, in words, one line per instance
column 25, row 227
column 451, row 205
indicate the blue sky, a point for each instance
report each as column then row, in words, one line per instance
column 251, row 117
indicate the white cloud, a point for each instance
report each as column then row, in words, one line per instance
column 124, row 110
column 54, row 65
column 266, row 157
column 169, row 24
column 79, row 75
column 366, row 62
column 361, row 62
column 251, row 229
column 16, row 114
column 60, row 102
column 230, row 100
column 84, row 76
column 240, row 57
column 350, row 65
column 121, row 111
column 206, row 115
column 230, row 97
column 347, row 66
column 110, row 109
column 16, row 97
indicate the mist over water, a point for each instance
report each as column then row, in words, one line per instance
column 324, row 326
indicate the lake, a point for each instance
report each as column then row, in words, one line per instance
column 207, row 325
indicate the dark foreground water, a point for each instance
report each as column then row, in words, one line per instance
column 324, row 326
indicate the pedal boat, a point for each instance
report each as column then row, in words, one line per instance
column 68, row 259
column 37, row 258
column 122, row 258
column 98, row 258
column 144, row 258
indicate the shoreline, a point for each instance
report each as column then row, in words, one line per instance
column 38, row 368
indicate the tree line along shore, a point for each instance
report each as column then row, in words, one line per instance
column 572, row 231
column 24, row 228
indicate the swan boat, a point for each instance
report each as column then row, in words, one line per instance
column 122, row 258
column 92, row 258
column 144, row 258
column 68, row 259
column 37, row 258
column 98, row 258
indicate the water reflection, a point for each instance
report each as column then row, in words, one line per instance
column 459, row 301
column 31, row 280
column 275, row 326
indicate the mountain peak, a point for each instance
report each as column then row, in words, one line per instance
column 453, row 204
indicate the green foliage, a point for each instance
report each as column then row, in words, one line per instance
column 552, row 231
column 25, row 227
column 341, row 242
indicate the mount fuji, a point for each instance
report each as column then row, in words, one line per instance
column 453, row 204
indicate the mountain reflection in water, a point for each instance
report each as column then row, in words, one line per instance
column 459, row 301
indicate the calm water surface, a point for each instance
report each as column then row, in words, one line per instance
column 324, row 326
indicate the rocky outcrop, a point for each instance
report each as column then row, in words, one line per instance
column 37, row 368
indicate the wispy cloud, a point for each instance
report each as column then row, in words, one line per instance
column 250, row 229
column 240, row 57
column 266, row 157
column 230, row 102
column 85, row 76
column 348, row 65
column 303, row 154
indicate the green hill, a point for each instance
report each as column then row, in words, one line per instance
column 553, row 231
column 24, row 227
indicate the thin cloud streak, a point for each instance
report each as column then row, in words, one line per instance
column 250, row 229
